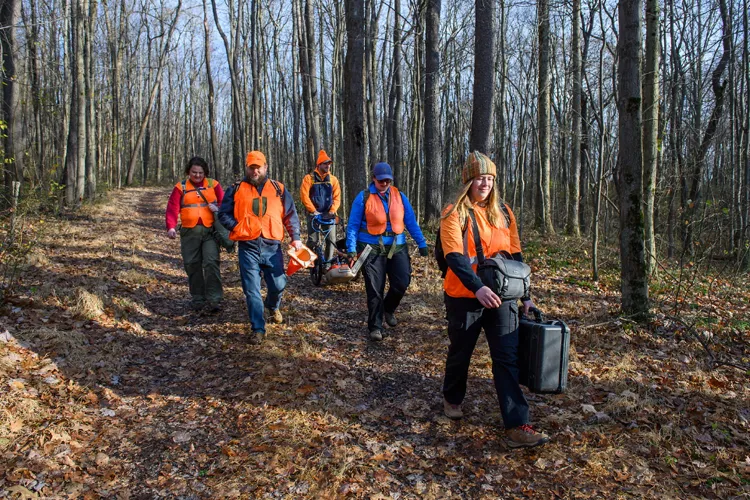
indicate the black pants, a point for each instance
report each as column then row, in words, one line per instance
column 398, row 270
column 466, row 318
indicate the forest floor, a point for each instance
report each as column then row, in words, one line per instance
column 111, row 388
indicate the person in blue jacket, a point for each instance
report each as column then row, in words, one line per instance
column 378, row 218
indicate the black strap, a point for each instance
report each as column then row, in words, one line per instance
column 202, row 196
column 477, row 240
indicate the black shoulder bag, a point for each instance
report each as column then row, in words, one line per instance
column 508, row 278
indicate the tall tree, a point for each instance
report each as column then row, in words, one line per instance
column 154, row 93
column 354, row 118
column 633, row 275
column 211, row 104
column 575, row 147
column 484, row 76
column 432, row 149
column 651, row 126
column 544, row 199
column 10, row 11
column 309, row 82
column 396, row 94
column 238, row 134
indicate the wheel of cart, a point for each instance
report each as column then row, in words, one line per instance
column 322, row 224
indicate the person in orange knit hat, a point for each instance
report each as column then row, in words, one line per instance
column 471, row 306
column 257, row 211
column 320, row 193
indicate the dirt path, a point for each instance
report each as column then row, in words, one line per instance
column 116, row 391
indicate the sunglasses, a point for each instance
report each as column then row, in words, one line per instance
column 384, row 181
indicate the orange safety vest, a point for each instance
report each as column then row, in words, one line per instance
column 493, row 239
column 192, row 206
column 258, row 214
column 376, row 217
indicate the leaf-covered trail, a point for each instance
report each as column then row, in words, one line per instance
column 115, row 390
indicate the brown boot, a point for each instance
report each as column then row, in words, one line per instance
column 524, row 436
column 274, row 316
column 453, row 412
column 256, row 338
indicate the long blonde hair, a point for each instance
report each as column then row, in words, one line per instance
column 463, row 204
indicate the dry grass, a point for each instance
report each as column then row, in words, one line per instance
column 55, row 343
column 87, row 305
column 133, row 277
column 37, row 257
column 126, row 305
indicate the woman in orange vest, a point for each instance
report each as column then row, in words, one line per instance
column 378, row 218
column 195, row 200
column 471, row 306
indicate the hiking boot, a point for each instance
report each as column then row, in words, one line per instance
column 390, row 319
column 452, row 411
column 213, row 309
column 256, row 338
column 524, row 436
column 376, row 335
column 197, row 307
column 274, row 316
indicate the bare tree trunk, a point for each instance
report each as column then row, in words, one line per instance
column 154, row 92
column 215, row 161
column 651, row 127
column 432, row 150
column 699, row 156
column 634, row 277
column 396, row 95
column 92, row 165
column 484, row 77
column 10, row 11
column 544, row 215
column 238, row 138
column 354, row 129
column 575, row 148
column 309, row 83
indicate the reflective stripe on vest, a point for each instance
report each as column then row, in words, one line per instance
column 321, row 192
column 192, row 206
column 376, row 217
column 258, row 214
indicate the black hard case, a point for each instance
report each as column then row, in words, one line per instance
column 543, row 355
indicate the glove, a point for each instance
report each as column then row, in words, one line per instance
column 351, row 257
column 423, row 252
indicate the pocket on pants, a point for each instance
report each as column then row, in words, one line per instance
column 505, row 317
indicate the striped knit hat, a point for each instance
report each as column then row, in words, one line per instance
column 477, row 164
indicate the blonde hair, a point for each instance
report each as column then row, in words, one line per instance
column 463, row 204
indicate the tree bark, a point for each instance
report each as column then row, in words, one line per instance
column 544, row 215
column 152, row 99
column 575, row 148
column 651, row 127
column 215, row 162
column 633, row 274
column 432, row 149
column 484, row 77
column 354, row 129
column 10, row 11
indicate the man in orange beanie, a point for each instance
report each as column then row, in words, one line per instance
column 321, row 194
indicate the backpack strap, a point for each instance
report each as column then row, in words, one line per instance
column 277, row 187
column 182, row 194
column 506, row 213
column 477, row 241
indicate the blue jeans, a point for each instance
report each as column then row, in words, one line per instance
column 256, row 257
